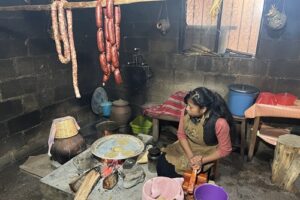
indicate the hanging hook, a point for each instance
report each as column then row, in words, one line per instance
column 163, row 24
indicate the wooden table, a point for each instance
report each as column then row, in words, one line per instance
column 243, row 122
column 155, row 124
column 257, row 111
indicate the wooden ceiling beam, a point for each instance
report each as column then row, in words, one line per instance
column 69, row 5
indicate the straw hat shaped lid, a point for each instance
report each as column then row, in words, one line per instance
column 65, row 127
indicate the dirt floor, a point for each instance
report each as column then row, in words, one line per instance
column 242, row 180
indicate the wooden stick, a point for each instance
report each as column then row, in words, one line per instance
column 88, row 184
column 70, row 5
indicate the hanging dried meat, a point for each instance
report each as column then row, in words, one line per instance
column 108, row 46
column 64, row 33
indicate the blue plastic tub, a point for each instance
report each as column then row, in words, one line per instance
column 106, row 108
column 240, row 98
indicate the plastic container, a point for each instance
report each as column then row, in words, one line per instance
column 141, row 125
column 162, row 188
column 210, row 192
column 106, row 108
column 266, row 98
column 285, row 99
column 153, row 156
column 240, row 98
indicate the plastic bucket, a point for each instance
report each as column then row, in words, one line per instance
column 141, row 124
column 210, row 192
column 162, row 188
column 106, row 108
column 240, row 98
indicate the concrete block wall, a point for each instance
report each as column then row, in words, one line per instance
column 275, row 68
column 35, row 87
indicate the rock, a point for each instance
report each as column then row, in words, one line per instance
column 133, row 176
column 110, row 181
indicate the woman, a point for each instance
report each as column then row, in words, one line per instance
column 203, row 134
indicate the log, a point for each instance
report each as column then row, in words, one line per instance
column 286, row 163
column 76, row 183
column 69, row 5
column 87, row 185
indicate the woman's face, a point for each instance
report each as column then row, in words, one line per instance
column 194, row 110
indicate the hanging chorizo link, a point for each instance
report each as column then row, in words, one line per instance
column 100, row 40
column 98, row 15
column 118, row 77
column 114, row 56
column 115, row 48
column 108, row 40
column 111, row 31
column 117, row 25
column 110, row 9
column 104, row 63
column 60, row 32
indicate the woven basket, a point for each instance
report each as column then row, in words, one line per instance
column 65, row 128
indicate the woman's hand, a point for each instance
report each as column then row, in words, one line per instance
column 196, row 161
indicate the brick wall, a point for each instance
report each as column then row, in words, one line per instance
column 35, row 87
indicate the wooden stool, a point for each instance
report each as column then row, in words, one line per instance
column 285, row 167
column 242, row 121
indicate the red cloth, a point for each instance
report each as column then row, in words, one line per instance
column 171, row 107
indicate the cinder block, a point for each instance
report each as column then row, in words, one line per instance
column 30, row 103
column 12, row 142
column 11, row 108
column 13, row 48
column 24, row 122
column 163, row 45
column 182, row 62
column 12, row 88
column 40, row 46
column 7, row 70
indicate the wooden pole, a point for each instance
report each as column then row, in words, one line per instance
column 70, row 5
column 286, row 163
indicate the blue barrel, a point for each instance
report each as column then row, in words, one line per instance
column 240, row 98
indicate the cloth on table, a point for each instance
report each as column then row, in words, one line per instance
column 263, row 110
column 171, row 107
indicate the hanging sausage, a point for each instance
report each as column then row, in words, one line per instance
column 109, row 41
column 115, row 48
column 64, row 33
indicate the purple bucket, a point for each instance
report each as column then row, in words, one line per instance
column 210, row 192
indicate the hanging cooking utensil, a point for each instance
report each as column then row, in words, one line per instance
column 163, row 24
column 276, row 20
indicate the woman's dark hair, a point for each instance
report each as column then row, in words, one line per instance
column 215, row 105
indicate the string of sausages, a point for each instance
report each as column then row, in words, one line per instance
column 64, row 33
column 108, row 40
